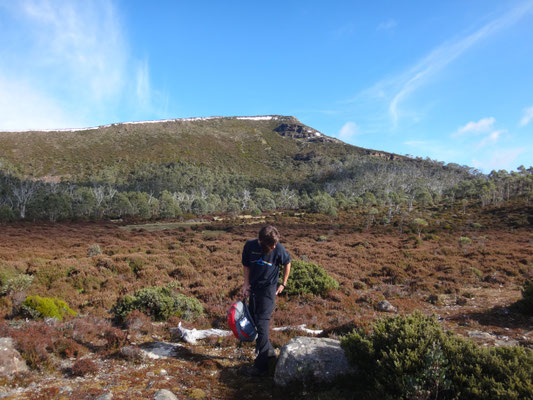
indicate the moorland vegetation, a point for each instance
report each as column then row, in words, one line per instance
column 450, row 249
column 128, row 285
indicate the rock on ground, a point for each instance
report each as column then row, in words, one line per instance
column 306, row 359
column 164, row 394
column 11, row 363
column 385, row 306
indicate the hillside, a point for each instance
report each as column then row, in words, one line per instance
column 164, row 169
column 244, row 145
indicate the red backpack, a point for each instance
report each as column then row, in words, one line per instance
column 241, row 323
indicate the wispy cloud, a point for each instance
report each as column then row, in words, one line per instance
column 498, row 160
column 387, row 25
column 143, row 83
column 71, row 62
column 348, row 131
column 492, row 138
column 527, row 117
column 482, row 126
column 397, row 89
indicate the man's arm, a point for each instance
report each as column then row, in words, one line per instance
column 246, row 286
column 286, row 273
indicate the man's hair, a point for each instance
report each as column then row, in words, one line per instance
column 268, row 236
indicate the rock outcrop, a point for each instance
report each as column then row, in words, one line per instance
column 11, row 363
column 311, row 360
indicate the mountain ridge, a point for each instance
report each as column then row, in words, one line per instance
column 67, row 152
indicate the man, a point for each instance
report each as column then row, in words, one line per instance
column 261, row 259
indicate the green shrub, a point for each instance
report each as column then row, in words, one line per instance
column 419, row 224
column 46, row 307
column 412, row 357
column 6, row 214
column 464, row 242
column 309, row 278
column 18, row 283
column 525, row 305
column 94, row 250
column 160, row 303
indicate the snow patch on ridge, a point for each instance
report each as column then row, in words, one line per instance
column 252, row 118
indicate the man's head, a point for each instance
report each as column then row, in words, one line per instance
column 268, row 238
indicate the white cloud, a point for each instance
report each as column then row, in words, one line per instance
column 19, row 100
column 387, row 25
column 348, row 131
column 498, row 159
column 481, row 126
column 527, row 117
column 69, row 65
column 79, row 41
column 492, row 138
column 397, row 89
column 143, row 84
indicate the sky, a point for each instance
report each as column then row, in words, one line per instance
column 449, row 80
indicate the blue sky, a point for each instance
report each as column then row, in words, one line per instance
column 450, row 80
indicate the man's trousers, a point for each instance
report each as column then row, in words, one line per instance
column 261, row 307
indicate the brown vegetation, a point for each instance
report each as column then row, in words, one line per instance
column 469, row 288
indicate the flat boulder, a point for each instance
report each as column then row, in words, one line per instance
column 11, row 363
column 308, row 359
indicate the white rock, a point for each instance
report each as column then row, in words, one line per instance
column 164, row 394
column 311, row 360
column 11, row 363
column 157, row 350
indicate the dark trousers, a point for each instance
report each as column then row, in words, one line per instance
column 261, row 307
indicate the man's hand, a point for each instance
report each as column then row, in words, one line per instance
column 246, row 290
column 280, row 289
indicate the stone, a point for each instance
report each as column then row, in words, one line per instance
column 105, row 396
column 133, row 353
column 385, row 306
column 307, row 359
column 159, row 350
column 11, row 363
column 480, row 335
column 164, row 394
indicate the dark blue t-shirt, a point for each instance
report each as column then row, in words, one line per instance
column 264, row 268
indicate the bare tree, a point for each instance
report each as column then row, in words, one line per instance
column 23, row 191
column 99, row 195
column 245, row 199
column 111, row 192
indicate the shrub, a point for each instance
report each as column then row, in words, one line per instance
column 160, row 303
column 94, row 250
column 18, row 283
column 412, row 357
column 525, row 305
column 419, row 225
column 84, row 367
column 310, row 278
column 115, row 338
column 6, row 214
column 464, row 242
column 46, row 307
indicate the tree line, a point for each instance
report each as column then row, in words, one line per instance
column 176, row 190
